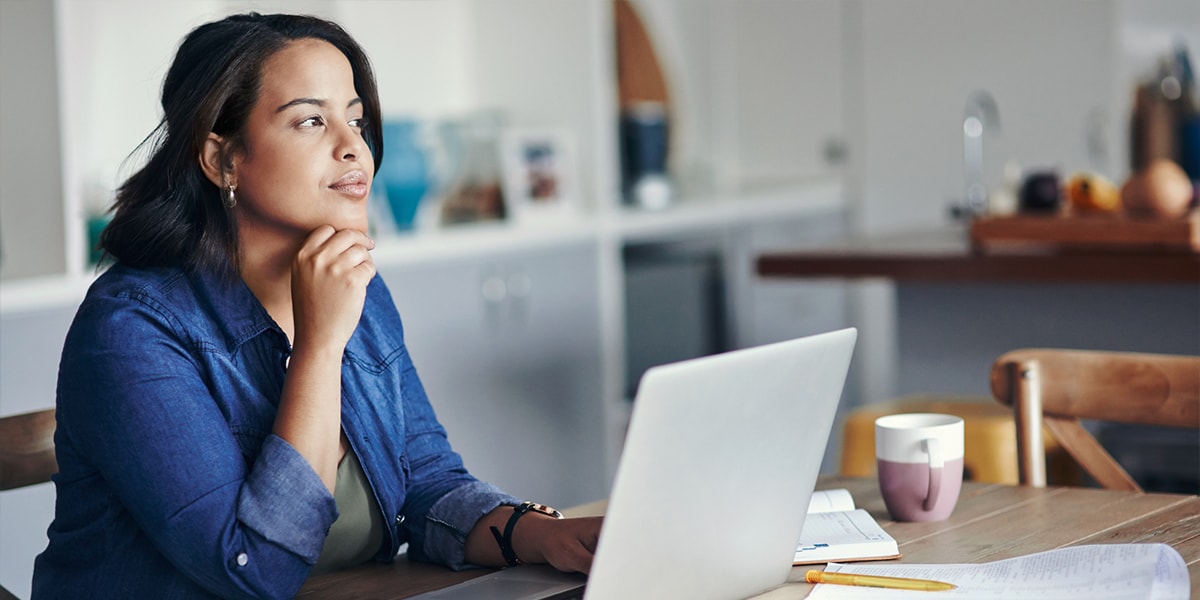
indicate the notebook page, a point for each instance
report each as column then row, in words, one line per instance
column 843, row 536
column 831, row 501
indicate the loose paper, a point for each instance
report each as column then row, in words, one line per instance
column 1094, row 572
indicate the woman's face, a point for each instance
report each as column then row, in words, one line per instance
column 305, row 163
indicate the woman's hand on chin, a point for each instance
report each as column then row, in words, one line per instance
column 329, row 285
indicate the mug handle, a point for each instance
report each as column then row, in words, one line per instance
column 937, row 463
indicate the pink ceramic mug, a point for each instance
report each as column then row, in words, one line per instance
column 920, row 462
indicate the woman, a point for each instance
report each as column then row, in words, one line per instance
column 236, row 406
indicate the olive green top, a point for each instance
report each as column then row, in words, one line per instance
column 357, row 534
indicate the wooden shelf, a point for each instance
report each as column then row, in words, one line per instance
column 1097, row 233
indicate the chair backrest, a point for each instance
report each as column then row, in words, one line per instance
column 27, row 449
column 1058, row 387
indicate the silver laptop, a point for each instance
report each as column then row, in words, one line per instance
column 714, row 481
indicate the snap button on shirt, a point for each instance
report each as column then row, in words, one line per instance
column 242, row 559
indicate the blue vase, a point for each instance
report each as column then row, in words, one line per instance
column 404, row 171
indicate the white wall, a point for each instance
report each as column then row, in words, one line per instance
column 420, row 54
column 31, row 212
column 1047, row 64
column 755, row 88
column 112, row 74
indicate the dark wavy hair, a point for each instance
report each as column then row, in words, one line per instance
column 169, row 214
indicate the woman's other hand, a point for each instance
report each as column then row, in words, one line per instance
column 329, row 285
column 565, row 544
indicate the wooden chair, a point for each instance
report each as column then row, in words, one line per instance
column 989, row 453
column 26, row 454
column 27, row 449
column 1058, row 387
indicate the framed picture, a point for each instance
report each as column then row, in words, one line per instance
column 540, row 177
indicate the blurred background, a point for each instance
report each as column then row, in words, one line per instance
column 575, row 190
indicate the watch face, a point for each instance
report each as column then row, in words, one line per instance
column 542, row 508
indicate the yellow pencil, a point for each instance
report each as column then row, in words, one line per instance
column 896, row 583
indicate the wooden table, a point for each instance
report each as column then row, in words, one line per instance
column 991, row 522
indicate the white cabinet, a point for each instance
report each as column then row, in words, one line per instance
column 773, row 310
column 508, row 348
column 30, row 346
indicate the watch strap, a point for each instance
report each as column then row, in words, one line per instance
column 505, row 540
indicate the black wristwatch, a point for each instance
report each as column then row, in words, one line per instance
column 505, row 540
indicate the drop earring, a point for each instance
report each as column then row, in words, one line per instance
column 231, row 198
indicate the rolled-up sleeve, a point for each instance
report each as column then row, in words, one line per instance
column 453, row 516
column 280, row 486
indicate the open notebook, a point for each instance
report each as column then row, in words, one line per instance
column 835, row 530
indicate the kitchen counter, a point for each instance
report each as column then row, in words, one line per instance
column 934, row 313
column 946, row 255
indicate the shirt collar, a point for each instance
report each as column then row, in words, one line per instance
column 240, row 315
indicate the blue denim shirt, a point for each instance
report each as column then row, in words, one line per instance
column 171, row 484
